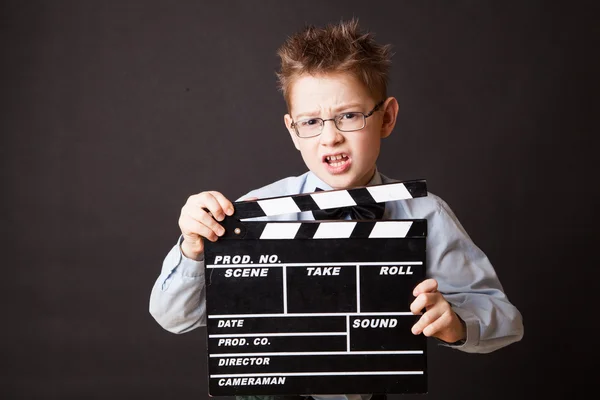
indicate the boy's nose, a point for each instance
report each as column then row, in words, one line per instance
column 330, row 134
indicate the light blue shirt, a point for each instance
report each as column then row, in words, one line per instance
column 465, row 276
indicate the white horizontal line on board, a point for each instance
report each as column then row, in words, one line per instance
column 278, row 334
column 351, row 264
column 317, row 353
column 309, row 315
column 344, row 373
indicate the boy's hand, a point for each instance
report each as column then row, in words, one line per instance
column 197, row 223
column 439, row 320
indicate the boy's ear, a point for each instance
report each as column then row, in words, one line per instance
column 287, row 119
column 390, row 112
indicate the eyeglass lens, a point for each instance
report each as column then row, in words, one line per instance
column 344, row 122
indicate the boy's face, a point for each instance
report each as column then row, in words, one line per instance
column 354, row 153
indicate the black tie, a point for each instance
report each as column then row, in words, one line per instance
column 358, row 212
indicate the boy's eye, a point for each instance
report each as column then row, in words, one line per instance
column 348, row 116
column 309, row 122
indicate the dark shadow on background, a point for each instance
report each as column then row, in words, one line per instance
column 113, row 114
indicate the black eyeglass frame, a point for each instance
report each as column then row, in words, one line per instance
column 365, row 116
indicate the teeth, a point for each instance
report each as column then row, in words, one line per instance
column 335, row 158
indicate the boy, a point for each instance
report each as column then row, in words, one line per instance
column 334, row 83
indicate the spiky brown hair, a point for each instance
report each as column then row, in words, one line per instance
column 341, row 47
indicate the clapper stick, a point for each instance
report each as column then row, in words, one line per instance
column 235, row 228
column 301, row 307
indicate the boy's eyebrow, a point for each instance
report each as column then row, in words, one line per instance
column 354, row 106
column 307, row 114
column 346, row 106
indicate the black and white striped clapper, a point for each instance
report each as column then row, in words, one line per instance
column 316, row 307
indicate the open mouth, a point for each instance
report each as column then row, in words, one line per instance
column 336, row 160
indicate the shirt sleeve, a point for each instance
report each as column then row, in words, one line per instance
column 469, row 283
column 177, row 300
column 178, row 297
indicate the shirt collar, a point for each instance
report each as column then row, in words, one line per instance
column 313, row 182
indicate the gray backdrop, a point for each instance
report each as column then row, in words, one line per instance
column 114, row 112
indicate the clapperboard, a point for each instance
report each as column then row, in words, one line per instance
column 316, row 307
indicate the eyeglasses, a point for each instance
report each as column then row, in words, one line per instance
column 345, row 122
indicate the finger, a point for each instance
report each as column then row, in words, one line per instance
column 439, row 325
column 430, row 317
column 206, row 220
column 422, row 301
column 192, row 228
column 202, row 216
column 226, row 205
column 428, row 285
column 250, row 199
column 208, row 201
